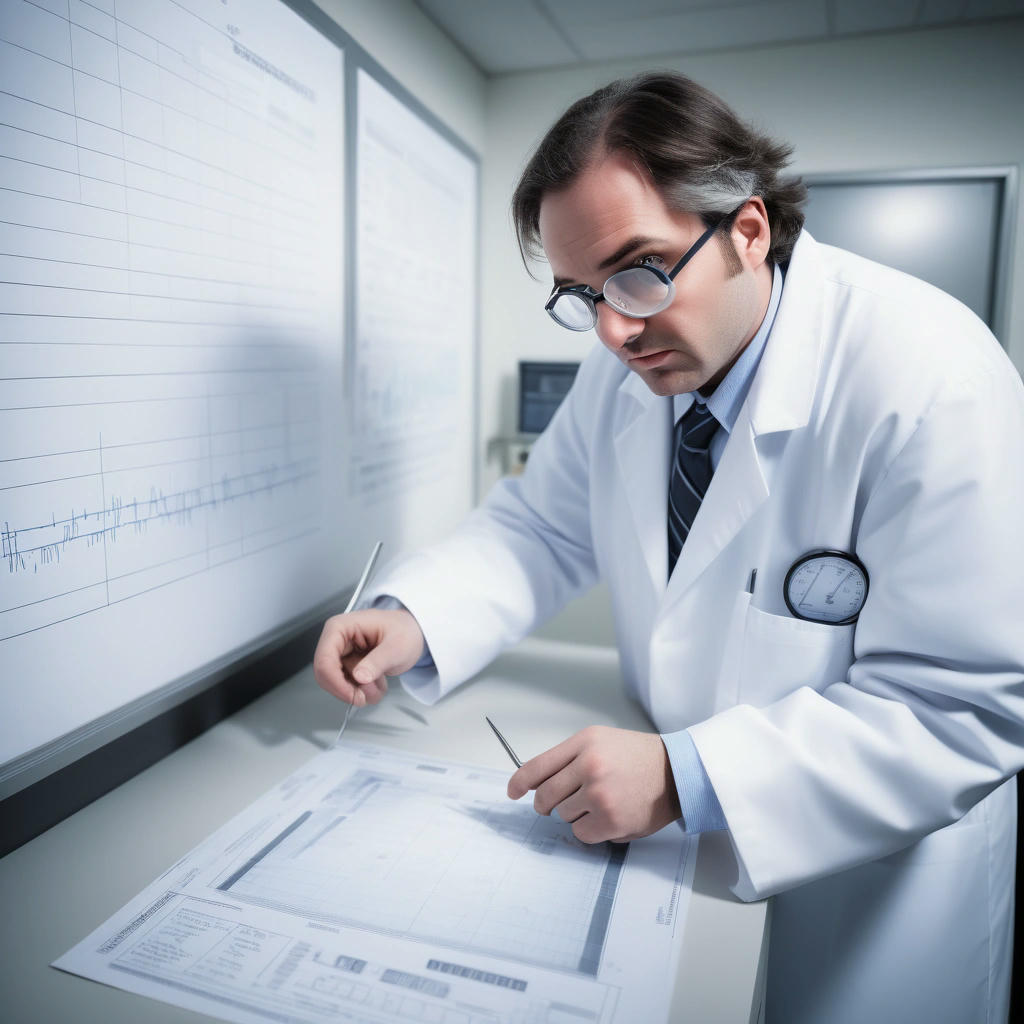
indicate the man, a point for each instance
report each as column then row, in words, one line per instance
column 758, row 398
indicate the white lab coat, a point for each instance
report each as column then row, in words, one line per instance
column 859, row 767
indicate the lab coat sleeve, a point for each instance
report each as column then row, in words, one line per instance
column 930, row 717
column 513, row 563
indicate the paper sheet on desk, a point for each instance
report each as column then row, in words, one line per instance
column 374, row 885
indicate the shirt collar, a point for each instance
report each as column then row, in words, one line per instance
column 726, row 400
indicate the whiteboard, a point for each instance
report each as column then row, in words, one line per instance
column 178, row 422
column 414, row 354
column 171, row 318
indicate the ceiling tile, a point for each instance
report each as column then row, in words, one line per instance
column 523, row 35
column 712, row 28
column 568, row 12
column 507, row 36
column 873, row 15
column 932, row 12
column 993, row 8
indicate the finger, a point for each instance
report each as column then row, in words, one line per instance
column 588, row 829
column 327, row 664
column 371, row 694
column 560, row 786
column 573, row 807
column 542, row 767
column 362, row 693
column 388, row 658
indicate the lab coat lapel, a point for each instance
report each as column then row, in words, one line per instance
column 780, row 399
column 642, row 449
column 737, row 490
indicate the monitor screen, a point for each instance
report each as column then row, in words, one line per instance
column 542, row 386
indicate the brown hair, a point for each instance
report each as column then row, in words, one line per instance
column 701, row 157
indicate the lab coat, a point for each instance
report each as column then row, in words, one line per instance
column 861, row 768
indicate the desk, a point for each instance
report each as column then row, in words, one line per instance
column 57, row 888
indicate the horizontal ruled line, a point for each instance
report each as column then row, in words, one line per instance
column 166, row 583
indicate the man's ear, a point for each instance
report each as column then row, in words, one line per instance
column 751, row 232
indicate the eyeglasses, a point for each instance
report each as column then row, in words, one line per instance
column 636, row 292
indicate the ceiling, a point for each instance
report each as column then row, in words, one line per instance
column 503, row 36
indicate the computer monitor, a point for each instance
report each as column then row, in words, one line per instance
column 542, row 386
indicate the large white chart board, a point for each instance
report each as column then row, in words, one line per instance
column 413, row 408
column 375, row 886
column 171, row 346
column 202, row 433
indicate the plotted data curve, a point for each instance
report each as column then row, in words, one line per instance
column 83, row 528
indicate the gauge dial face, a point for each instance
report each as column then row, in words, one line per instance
column 826, row 586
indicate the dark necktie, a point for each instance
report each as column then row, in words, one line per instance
column 691, row 475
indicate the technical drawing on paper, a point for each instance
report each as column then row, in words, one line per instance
column 424, row 862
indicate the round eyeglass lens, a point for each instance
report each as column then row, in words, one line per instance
column 638, row 291
column 573, row 311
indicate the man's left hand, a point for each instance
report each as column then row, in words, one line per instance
column 608, row 783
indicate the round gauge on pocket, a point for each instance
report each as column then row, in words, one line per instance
column 826, row 586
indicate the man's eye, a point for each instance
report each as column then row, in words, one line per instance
column 651, row 261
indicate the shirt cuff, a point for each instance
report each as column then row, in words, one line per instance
column 701, row 810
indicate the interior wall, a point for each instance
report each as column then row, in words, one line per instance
column 407, row 44
column 935, row 98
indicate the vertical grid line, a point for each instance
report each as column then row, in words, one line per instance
column 103, row 523
column 209, row 465
column 74, row 102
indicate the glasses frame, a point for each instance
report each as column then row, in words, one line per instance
column 591, row 298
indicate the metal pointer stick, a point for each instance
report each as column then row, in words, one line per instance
column 353, row 600
column 508, row 750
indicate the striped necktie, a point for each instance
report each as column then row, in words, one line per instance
column 691, row 474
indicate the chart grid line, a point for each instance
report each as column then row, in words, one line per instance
column 284, row 249
column 142, row 245
column 166, row 583
column 165, row 440
column 153, row 273
column 174, row 152
column 80, row 71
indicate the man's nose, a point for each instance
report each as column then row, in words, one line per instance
column 614, row 329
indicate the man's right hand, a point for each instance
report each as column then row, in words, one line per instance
column 356, row 651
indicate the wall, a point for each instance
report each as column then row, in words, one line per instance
column 934, row 98
column 407, row 44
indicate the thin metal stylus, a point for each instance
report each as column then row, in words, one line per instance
column 353, row 601
column 508, row 750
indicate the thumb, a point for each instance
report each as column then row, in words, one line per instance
column 367, row 672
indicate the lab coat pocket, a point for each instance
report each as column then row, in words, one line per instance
column 780, row 654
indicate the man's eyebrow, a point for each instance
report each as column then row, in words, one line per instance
column 630, row 247
column 637, row 242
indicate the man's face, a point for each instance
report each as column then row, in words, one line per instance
column 612, row 217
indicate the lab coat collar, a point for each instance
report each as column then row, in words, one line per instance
column 634, row 387
column 782, row 392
